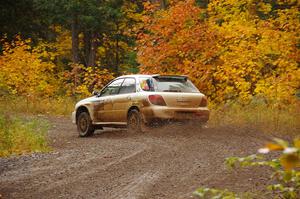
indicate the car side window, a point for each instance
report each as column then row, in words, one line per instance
column 113, row 88
column 128, row 86
column 146, row 84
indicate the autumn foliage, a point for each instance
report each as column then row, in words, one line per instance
column 177, row 41
column 36, row 72
column 25, row 71
column 83, row 80
column 232, row 50
column 236, row 50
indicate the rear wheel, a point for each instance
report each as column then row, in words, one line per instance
column 84, row 125
column 134, row 121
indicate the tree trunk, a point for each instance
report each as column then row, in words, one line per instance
column 162, row 3
column 93, row 48
column 117, row 56
column 117, row 51
column 75, row 39
column 87, row 47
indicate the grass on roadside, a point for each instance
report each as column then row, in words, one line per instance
column 45, row 106
column 19, row 136
column 20, row 130
column 272, row 118
column 266, row 118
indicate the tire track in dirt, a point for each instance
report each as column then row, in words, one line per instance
column 161, row 148
column 167, row 162
column 137, row 187
column 85, row 174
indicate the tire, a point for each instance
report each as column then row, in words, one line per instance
column 85, row 127
column 134, row 121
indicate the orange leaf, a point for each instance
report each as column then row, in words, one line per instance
column 274, row 147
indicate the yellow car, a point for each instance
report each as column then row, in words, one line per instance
column 136, row 101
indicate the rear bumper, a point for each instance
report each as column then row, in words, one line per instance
column 200, row 114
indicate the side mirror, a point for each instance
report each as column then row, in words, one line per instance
column 95, row 93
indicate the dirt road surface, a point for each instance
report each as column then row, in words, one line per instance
column 167, row 162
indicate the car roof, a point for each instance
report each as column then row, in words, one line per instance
column 135, row 75
column 154, row 75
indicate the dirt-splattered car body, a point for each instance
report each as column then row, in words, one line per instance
column 150, row 97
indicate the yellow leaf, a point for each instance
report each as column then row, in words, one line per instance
column 297, row 142
column 274, row 147
column 290, row 161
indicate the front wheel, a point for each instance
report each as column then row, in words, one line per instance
column 84, row 125
column 134, row 121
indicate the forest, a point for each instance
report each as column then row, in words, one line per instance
column 240, row 51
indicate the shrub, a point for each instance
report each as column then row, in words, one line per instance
column 45, row 106
column 81, row 81
column 19, row 136
column 26, row 71
column 266, row 118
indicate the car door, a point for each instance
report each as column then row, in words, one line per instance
column 103, row 106
column 123, row 101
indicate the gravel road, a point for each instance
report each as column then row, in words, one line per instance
column 167, row 162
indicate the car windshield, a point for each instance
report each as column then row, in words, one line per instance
column 168, row 84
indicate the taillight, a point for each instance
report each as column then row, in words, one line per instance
column 157, row 100
column 203, row 102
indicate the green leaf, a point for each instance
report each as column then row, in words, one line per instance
column 281, row 142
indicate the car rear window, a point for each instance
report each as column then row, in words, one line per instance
column 168, row 84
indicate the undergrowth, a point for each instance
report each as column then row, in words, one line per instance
column 19, row 136
column 267, row 118
column 45, row 106
column 282, row 119
column 20, row 130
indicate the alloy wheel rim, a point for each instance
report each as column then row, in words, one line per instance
column 133, row 121
column 83, row 124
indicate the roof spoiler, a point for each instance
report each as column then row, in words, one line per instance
column 184, row 77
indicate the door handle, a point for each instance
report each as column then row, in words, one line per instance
column 129, row 97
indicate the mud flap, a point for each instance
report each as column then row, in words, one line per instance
column 144, row 127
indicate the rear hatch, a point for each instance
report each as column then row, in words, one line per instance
column 178, row 91
column 184, row 100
